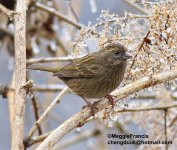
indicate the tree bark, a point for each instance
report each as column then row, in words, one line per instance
column 20, row 75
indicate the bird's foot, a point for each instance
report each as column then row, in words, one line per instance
column 93, row 108
column 111, row 99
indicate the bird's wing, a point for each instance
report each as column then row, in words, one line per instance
column 84, row 67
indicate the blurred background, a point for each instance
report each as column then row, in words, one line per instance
column 48, row 36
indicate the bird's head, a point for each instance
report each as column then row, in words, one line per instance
column 114, row 54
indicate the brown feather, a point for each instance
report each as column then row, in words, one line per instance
column 95, row 75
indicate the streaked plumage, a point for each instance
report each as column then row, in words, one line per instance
column 95, row 75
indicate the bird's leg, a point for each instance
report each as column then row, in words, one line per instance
column 92, row 107
column 111, row 99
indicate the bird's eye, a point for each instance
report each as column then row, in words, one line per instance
column 117, row 53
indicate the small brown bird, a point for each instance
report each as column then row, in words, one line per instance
column 95, row 75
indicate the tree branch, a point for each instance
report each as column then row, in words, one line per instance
column 149, row 108
column 81, row 117
column 59, row 15
column 5, row 90
column 6, row 11
column 37, row 139
column 137, row 7
column 11, row 96
column 48, row 59
column 139, row 49
column 48, row 88
column 36, row 110
column 20, row 75
column 153, row 95
column 50, row 107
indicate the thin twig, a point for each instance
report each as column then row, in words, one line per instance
column 136, row 6
column 11, row 97
column 148, row 108
column 36, row 139
column 139, row 49
column 48, row 88
column 48, row 59
column 49, row 108
column 6, row 11
column 73, row 11
column 59, row 15
column 62, row 16
column 153, row 95
column 37, row 88
column 36, row 112
column 81, row 117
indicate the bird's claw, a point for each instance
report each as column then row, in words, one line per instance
column 111, row 99
column 93, row 108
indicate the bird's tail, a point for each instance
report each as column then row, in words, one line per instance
column 53, row 69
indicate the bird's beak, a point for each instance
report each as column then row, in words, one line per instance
column 127, row 56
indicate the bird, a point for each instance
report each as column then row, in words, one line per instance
column 95, row 75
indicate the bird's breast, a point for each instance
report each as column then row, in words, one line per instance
column 98, row 86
